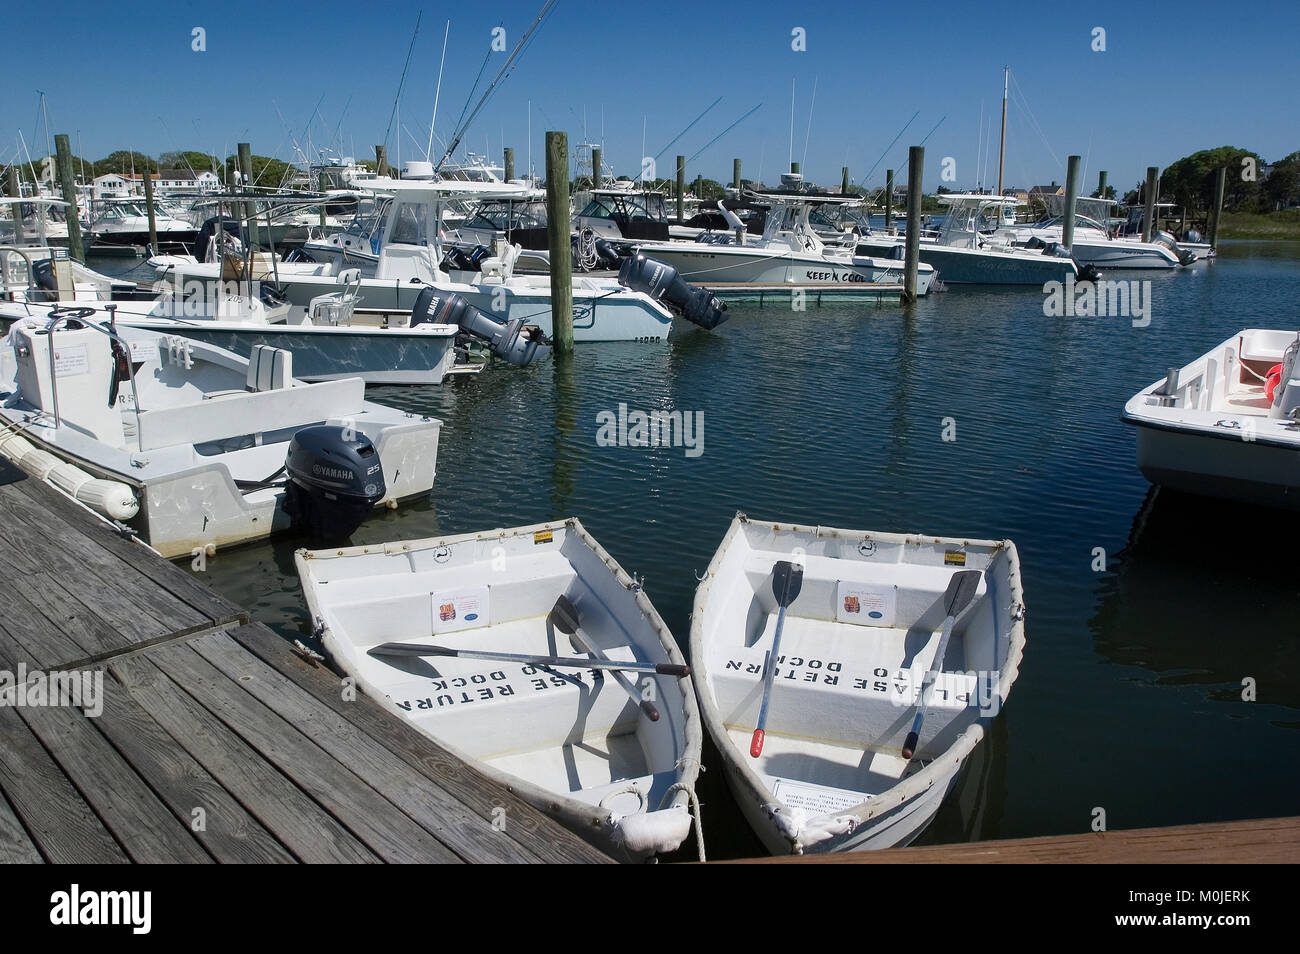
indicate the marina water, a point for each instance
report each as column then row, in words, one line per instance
column 970, row 413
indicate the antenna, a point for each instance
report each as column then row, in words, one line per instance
column 437, row 90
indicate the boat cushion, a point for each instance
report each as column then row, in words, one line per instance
column 269, row 367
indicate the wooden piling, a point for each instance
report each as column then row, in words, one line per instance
column 321, row 182
column 1219, row 185
column 735, row 173
column 915, row 169
column 557, row 237
column 889, row 200
column 1101, row 184
column 595, row 168
column 1149, row 211
column 381, row 161
column 1071, row 196
column 681, row 188
column 844, row 180
column 249, row 208
column 148, row 206
column 63, row 160
column 794, row 167
column 509, row 163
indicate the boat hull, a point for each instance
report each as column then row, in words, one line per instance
column 1226, row 467
column 711, row 266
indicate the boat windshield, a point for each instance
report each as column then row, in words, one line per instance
column 505, row 215
column 369, row 218
column 627, row 207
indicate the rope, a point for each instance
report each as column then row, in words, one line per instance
column 585, row 258
column 694, row 803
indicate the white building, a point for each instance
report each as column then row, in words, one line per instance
column 113, row 186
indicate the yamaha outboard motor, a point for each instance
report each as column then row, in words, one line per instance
column 43, row 273
column 1161, row 237
column 519, row 343
column 335, row 480
column 607, row 253
column 662, row 283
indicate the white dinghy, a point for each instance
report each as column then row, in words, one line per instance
column 862, row 620
column 612, row 755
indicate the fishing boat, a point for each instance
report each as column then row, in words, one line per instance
column 33, row 269
column 403, row 255
column 1093, row 242
column 811, row 649
column 789, row 253
column 1228, row 424
column 194, row 447
column 490, row 644
column 967, row 252
column 126, row 222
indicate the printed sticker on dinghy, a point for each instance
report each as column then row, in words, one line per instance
column 814, row 800
column 464, row 608
column 440, row 693
column 865, row 604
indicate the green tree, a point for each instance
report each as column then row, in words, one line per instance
column 124, row 161
column 1282, row 187
column 1190, row 182
column 268, row 173
column 184, row 159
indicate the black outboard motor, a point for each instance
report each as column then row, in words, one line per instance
column 607, row 253
column 335, row 480
column 208, row 230
column 662, row 283
column 43, row 273
column 519, row 343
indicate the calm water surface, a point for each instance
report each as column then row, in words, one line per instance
column 1130, row 696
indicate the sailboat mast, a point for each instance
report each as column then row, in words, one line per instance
column 1002, row 148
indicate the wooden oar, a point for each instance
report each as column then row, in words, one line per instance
column 961, row 590
column 564, row 662
column 564, row 617
column 787, row 581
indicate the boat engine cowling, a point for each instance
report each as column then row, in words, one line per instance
column 335, row 479
column 514, row 340
column 663, row 283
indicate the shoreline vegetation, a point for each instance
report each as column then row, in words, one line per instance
column 1283, row 224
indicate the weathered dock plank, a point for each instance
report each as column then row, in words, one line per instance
column 215, row 740
column 1252, row 841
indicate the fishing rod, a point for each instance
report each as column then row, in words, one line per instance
column 721, row 134
column 688, row 128
column 487, row 93
column 402, row 82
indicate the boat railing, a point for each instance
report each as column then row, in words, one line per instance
column 58, row 315
column 9, row 275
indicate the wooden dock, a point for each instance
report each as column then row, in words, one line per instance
column 216, row 741
column 1254, row 841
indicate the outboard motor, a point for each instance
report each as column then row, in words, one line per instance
column 1161, row 237
column 519, row 343
column 208, row 230
column 607, row 253
column 335, row 480
column 43, row 273
column 662, row 283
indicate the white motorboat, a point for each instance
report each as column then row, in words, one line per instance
column 195, row 447
column 855, row 652
column 612, row 756
column 967, row 252
column 1093, row 242
column 790, row 252
column 126, row 222
column 404, row 256
column 1228, row 424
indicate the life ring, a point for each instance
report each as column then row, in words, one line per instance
column 1271, row 381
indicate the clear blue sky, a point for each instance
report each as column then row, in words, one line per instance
column 1175, row 78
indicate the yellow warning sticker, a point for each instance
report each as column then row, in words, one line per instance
column 954, row 558
column 542, row 536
